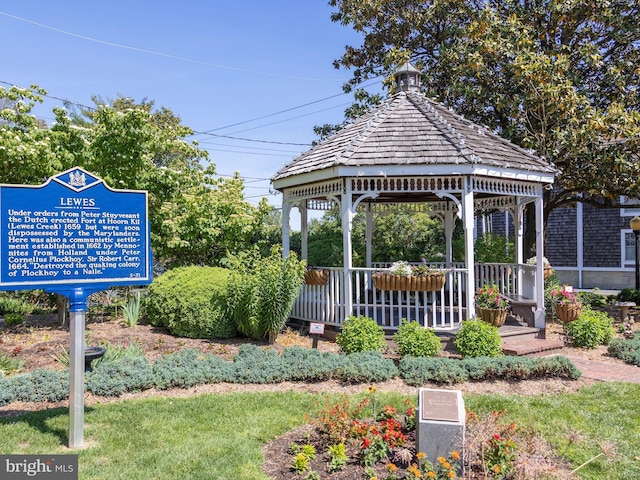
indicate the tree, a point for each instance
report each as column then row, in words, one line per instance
column 26, row 153
column 195, row 219
column 558, row 77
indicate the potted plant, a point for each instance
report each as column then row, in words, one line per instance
column 316, row 276
column 403, row 277
column 566, row 304
column 491, row 305
column 547, row 268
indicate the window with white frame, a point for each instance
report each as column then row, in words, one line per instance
column 628, row 248
column 632, row 207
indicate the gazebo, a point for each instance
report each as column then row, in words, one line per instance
column 414, row 151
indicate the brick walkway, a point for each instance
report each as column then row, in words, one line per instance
column 606, row 371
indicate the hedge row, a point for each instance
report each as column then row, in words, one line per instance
column 189, row 367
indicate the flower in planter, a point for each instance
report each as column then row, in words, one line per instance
column 561, row 296
column 400, row 268
column 490, row 297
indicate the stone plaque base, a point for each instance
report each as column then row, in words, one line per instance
column 441, row 423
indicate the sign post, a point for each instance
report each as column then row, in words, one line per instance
column 75, row 236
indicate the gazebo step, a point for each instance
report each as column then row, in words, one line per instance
column 530, row 347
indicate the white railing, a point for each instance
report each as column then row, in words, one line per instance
column 440, row 310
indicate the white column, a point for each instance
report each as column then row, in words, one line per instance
column 539, row 315
column 518, row 226
column 580, row 241
column 469, row 228
column 449, row 224
column 369, row 235
column 304, row 231
column 286, row 215
column 346, row 216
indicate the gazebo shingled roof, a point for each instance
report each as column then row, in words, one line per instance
column 410, row 129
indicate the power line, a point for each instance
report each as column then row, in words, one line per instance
column 165, row 55
column 252, row 139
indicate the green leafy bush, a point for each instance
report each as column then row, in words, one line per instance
column 40, row 386
column 128, row 374
column 189, row 367
column 590, row 329
column 629, row 295
column 360, row 334
column 191, row 302
column 627, row 350
column 366, row 367
column 478, row 339
column 14, row 319
column 415, row 340
column 12, row 305
column 593, row 299
column 263, row 291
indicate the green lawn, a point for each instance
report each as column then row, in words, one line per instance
column 220, row 436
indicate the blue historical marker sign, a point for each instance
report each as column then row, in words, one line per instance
column 73, row 231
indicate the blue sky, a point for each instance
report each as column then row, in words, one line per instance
column 217, row 64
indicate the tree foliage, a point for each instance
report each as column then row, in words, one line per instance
column 559, row 77
column 195, row 218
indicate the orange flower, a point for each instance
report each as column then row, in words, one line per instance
column 392, row 468
column 446, row 465
column 496, row 468
column 431, row 474
column 420, row 455
column 455, row 455
column 451, row 474
column 442, row 460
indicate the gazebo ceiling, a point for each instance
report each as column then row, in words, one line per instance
column 412, row 135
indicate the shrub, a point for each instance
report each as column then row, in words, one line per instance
column 360, row 334
column 593, row 299
column 629, row 295
column 128, row 374
column 310, row 365
column 189, row 367
column 191, row 302
column 417, row 371
column 478, row 339
column 6, row 391
column 590, row 329
column 361, row 367
column 415, row 340
column 263, row 291
column 40, row 386
column 627, row 350
column 259, row 365
column 12, row 305
column 14, row 319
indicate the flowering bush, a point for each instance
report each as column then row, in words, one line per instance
column 499, row 456
column 561, row 296
column 490, row 297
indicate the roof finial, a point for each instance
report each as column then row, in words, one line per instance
column 407, row 77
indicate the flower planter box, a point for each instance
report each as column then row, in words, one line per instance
column 409, row 283
column 316, row 277
column 568, row 312
column 493, row 316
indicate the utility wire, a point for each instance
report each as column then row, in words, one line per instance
column 165, row 55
